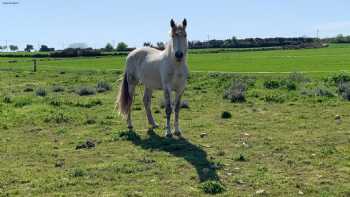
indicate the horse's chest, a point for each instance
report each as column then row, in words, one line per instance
column 178, row 79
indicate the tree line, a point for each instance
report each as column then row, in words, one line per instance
column 214, row 43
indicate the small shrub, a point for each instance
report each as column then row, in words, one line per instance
column 57, row 88
column 339, row 78
column 78, row 172
column 272, row 84
column 212, row 187
column 103, row 86
column 85, row 91
column 226, row 115
column 291, row 86
column 41, row 92
column 236, row 92
column 344, row 90
column 7, row 99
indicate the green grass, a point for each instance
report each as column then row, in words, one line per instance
column 331, row 59
column 283, row 145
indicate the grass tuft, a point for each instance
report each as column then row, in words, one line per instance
column 212, row 187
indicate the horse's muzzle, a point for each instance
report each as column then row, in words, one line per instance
column 179, row 55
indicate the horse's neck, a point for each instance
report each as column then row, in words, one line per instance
column 168, row 49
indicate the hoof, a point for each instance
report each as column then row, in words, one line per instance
column 168, row 135
column 178, row 133
column 130, row 128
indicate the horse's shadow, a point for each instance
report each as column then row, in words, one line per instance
column 180, row 147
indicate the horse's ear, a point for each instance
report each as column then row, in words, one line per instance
column 184, row 23
column 172, row 23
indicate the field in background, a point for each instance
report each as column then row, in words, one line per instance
column 331, row 59
column 290, row 137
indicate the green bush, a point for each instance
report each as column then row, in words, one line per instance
column 272, row 84
column 291, row 85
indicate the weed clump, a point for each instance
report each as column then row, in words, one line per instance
column 7, row 99
column 89, row 104
column 57, row 88
column 290, row 85
column 85, row 91
column 103, row 86
column 78, row 172
column 272, row 84
column 212, row 187
column 241, row 157
column 41, row 92
column 344, row 90
column 28, row 88
column 226, row 115
column 236, row 92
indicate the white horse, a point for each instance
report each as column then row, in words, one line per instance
column 165, row 70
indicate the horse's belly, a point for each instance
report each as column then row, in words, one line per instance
column 151, row 78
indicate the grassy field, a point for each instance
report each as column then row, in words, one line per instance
column 333, row 58
column 290, row 137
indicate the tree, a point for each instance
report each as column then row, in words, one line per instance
column 28, row 48
column 44, row 48
column 108, row 47
column 122, row 46
column 13, row 47
column 160, row 45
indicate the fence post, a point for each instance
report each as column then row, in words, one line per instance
column 34, row 65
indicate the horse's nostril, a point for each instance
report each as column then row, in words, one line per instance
column 179, row 54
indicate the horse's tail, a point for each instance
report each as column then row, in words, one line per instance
column 124, row 100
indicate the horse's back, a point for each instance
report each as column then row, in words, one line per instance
column 144, row 64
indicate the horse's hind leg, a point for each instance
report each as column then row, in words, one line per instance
column 147, row 100
column 131, row 93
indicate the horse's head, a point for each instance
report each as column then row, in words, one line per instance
column 179, row 40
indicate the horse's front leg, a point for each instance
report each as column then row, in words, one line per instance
column 177, row 111
column 147, row 100
column 167, row 99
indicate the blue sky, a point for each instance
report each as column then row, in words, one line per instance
column 61, row 22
